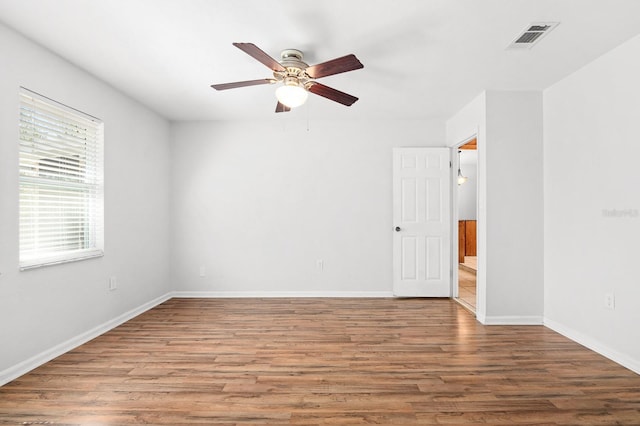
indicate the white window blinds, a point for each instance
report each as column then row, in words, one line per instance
column 61, row 183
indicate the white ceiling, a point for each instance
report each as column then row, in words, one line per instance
column 423, row 59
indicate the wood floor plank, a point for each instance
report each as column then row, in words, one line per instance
column 323, row 361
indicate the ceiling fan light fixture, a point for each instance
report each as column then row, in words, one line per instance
column 297, row 78
column 291, row 93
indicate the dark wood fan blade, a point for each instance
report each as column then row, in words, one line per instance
column 333, row 94
column 334, row 66
column 282, row 107
column 226, row 86
column 255, row 52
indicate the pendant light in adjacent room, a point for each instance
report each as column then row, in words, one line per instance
column 461, row 178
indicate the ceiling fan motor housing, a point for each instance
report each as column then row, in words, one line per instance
column 292, row 54
column 291, row 59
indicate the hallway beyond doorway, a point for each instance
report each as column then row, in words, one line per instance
column 467, row 283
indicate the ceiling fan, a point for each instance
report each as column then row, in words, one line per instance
column 297, row 77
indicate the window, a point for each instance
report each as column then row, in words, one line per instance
column 61, row 183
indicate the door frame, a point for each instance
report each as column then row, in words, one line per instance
column 455, row 238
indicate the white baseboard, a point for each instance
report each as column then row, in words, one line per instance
column 594, row 345
column 275, row 294
column 511, row 320
column 24, row 367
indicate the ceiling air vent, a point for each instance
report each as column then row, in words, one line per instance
column 532, row 35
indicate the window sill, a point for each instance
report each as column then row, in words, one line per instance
column 57, row 260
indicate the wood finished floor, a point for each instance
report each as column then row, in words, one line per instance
column 323, row 361
column 467, row 287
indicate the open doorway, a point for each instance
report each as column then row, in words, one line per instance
column 467, row 208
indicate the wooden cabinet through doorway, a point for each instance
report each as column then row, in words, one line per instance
column 466, row 239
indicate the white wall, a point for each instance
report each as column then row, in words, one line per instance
column 45, row 307
column 591, row 152
column 257, row 204
column 514, row 213
column 508, row 126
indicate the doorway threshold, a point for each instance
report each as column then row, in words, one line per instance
column 465, row 305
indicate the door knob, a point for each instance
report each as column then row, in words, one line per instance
column 398, row 229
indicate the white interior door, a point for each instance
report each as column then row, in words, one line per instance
column 422, row 223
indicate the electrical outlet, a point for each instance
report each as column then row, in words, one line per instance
column 113, row 283
column 609, row 301
column 320, row 264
